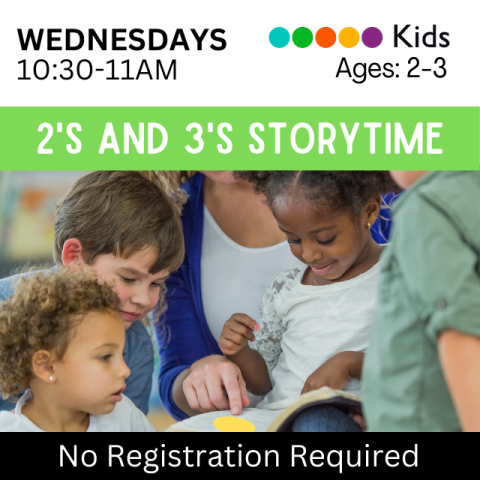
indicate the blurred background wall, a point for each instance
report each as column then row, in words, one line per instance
column 27, row 204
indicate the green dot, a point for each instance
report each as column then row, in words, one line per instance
column 302, row 37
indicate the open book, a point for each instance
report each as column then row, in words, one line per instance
column 270, row 420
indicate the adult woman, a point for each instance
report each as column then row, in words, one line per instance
column 233, row 249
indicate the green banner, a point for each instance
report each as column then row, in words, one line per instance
column 236, row 138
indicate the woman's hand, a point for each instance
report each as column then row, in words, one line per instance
column 236, row 333
column 205, row 383
column 335, row 372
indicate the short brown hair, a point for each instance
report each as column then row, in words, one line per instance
column 120, row 213
column 42, row 314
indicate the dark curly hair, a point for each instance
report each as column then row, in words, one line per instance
column 42, row 314
column 337, row 190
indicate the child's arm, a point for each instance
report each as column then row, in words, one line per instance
column 460, row 359
column 335, row 372
column 233, row 342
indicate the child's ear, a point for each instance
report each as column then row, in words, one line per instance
column 373, row 209
column 72, row 253
column 43, row 366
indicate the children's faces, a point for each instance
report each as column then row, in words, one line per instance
column 91, row 375
column 137, row 289
column 335, row 246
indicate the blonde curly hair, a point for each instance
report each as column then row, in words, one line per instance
column 42, row 314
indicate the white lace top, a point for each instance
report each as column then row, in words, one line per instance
column 302, row 326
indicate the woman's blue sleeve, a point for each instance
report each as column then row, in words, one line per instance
column 180, row 338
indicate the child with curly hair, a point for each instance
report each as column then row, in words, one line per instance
column 316, row 317
column 61, row 343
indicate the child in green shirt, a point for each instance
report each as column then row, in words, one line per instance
column 422, row 367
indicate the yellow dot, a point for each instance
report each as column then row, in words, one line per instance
column 233, row 424
column 348, row 37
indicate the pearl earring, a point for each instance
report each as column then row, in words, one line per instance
column 368, row 225
column 51, row 378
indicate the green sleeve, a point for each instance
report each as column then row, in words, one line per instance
column 440, row 269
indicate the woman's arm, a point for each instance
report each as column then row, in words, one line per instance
column 460, row 359
column 193, row 371
column 191, row 378
column 182, row 343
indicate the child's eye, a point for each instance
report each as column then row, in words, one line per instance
column 126, row 279
column 292, row 241
column 327, row 241
column 105, row 358
column 156, row 285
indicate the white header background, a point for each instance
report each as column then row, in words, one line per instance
column 249, row 72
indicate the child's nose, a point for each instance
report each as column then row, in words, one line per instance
column 141, row 297
column 124, row 370
column 311, row 252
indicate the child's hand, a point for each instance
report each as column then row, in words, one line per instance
column 335, row 372
column 360, row 421
column 236, row 333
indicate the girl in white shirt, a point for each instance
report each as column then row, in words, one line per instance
column 316, row 317
column 61, row 340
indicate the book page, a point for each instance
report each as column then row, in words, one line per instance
column 260, row 418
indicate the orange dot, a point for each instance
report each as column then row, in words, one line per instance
column 325, row 37
column 349, row 37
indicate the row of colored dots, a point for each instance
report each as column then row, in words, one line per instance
column 325, row 37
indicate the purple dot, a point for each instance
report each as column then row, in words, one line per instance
column 372, row 37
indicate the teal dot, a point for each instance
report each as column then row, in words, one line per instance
column 279, row 37
column 302, row 37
